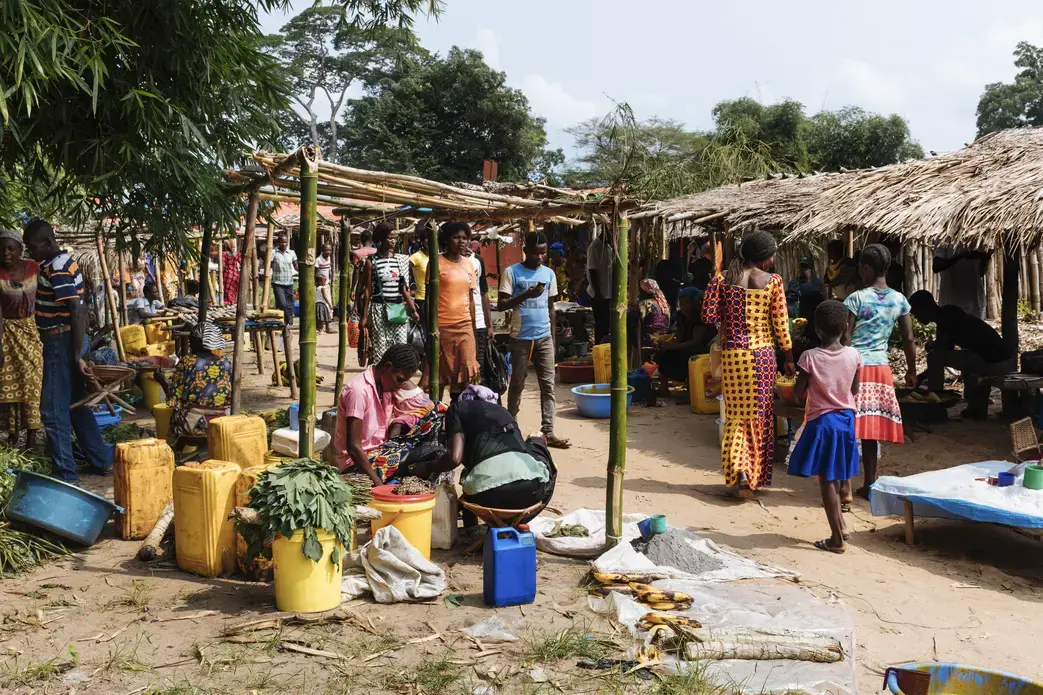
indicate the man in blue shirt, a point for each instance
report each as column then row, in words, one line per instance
column 529, row 288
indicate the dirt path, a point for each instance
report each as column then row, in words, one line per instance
column 908, row 603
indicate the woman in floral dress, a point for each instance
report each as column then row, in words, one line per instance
column 200, row 389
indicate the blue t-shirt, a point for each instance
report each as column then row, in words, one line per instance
column 531, row 318
column 876, row 312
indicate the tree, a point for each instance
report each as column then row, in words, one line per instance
column 1019, row 103
column 853, row 138
column 441, row 117
column 782, row 127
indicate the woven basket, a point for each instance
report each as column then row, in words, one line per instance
column 107, row 374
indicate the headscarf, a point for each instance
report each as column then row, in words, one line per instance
column 757, row 246
column 651, row 287
column 474, row 392
column 693, row 293
column 559, row 247
column 12, row 235
column 210, row 336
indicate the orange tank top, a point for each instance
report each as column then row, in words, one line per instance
column 454, row 291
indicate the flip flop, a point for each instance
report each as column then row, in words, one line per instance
column 556, row 443
column 824, row 545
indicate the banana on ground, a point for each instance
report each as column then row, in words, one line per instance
column 622, row 577
column 605, row 590
column 657, row 618
column 650, row 594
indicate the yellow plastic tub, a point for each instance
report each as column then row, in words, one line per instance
column 133, row 338
column 162, row 413
column 703, row 389
column 142, row 483
column 242, row 439
column 602, row 363
column 204, row 536
column 273, row 459
column 151, row 391
column 302, row 585
column 410, row 514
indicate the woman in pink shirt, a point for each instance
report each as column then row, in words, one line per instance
column 827, row 446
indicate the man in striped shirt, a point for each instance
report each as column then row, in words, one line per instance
column 61, row 319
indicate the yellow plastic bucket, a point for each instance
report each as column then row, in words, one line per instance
column 410, row 514
column 272, row 459
column 151, row 390
column 162, row 413
column 301, row 585
column 602, row 363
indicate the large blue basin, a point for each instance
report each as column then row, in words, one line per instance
column 960, row 679
column 595, row 400
column 59, row 507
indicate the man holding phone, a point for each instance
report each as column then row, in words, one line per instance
column 529, row 288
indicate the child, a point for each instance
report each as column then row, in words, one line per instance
column 410, row 404
column 323, row 303
column 827, row 447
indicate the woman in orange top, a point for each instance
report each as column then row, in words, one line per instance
column 458, row 363
column 749, row 304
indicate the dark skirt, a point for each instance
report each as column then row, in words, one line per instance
column 827, row 448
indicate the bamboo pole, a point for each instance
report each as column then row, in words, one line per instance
column 158, row 260
column 268, row 265
column 123, row 289
column 343, row 297
column 110, row 301
column 434, row 348
column 617, row 442
column 204, row 271
column 309, row 163
column 1034, row 279
column 240, row 310
column 255, row 274
column 220, row 272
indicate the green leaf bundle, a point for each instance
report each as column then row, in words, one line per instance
column 302, row 495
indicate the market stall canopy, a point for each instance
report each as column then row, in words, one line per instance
column 983, row 195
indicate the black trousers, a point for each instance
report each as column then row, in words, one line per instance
column 521, row 493
column 601, row 319
column 284, row 301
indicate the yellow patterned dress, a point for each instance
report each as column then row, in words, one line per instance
column 21, row 377
column 748, row 318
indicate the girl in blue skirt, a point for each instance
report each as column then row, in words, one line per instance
column 827, row 447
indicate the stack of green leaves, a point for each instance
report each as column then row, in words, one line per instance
column 302, row 495
column 19, row 550
column 125, row 432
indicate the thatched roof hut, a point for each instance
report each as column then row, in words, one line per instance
column 984, row 195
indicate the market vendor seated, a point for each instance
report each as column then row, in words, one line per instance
column 983, row 352
column 366, row 410
column 501, row 469
column 200, row 388
column 691, row 337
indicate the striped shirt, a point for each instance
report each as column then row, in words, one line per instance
column 387, row 272
column 282, row 266
column 60, row 281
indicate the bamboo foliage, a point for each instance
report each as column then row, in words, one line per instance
column 309, row 159
column 617, row 443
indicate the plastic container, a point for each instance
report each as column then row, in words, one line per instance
column 104, row 418
column 156, row 333
column 259, row 570
column 294, row 412
column 1006, row 479
column 963, row 679
column 410, row 514
column 151, row 391
column 133, row 337
column 1033, row 477
column 204, row 536
column 703, row 389
column 602, row 363
column 162, row 413
column 595, row 400
column 143, row 484
column 575, row 372
column 642, row 383
column 163, row 349
column 241, row 439
column 273, row 459
column 287, row 442
column 303, row 585
column 59, row 507
column 509, row 567
column 658, row 523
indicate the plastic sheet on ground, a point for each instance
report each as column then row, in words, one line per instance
column 773, row 605
column 954, row 493
column 592, row 545
column 624, row 558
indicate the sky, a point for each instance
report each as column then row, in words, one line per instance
column 926, row 60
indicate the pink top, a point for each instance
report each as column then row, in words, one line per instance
column 830, row 374
column 360, row 399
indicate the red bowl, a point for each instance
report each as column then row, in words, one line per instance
column 575, row 372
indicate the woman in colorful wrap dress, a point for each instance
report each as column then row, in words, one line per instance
column 749, row 304
column 21, row 352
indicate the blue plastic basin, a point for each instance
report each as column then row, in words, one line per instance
column 104, row 418
column 59, row 507
column 965, row 680
column 595, row 400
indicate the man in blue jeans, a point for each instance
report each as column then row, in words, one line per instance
column 62, row 321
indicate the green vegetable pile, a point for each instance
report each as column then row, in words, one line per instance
column 18, row 460
column 20, row 551
column 125, row 432
column 301, row 495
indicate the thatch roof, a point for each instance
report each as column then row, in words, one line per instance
column 773, row 204
column 985, row 194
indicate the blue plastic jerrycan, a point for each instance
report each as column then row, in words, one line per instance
column 509, row 569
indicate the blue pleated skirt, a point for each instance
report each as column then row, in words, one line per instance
column 827, row 448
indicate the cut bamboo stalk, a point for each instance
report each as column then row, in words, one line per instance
column 220, row 273
column 110, row 301
column 434, row 342
column 309, row 164
column 343, row 297
column 240, row 310
column 617, row 442
column 268, row 265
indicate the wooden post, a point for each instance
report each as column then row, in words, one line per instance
column 1033, row 255
column 434, row 348
column 343, row 298
column 110, row 301
column 123, row 289
column 204, row 271
column 992, row 290
column 309, row 168
column 849, row 243
column 220, row 272
column 287, row 350
column 240, row 309
column 158, row 260
column 268, row 265
column 255, row 274
column 617, row 441
column 909, row 537
column 1009, row 308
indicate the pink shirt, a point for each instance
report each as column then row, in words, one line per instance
column 830, row 373
column 360, row 399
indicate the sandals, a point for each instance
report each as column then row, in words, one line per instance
column 557, row 443
column 824, row 545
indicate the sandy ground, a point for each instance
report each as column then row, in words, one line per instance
column 965, row 592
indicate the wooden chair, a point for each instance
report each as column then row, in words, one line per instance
column 1024, row 440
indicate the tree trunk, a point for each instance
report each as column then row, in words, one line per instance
column 123, row 288
column 911, row 261
column 617, row 442
column 204, row 271
column 221, row 272
column 343, row 297
column 992, row 289
column 240, row 307
column 1009, row 310
column 434, row 348
column 309, row 164
column 110, row 301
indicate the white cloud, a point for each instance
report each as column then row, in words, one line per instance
column 488, row 42
column 871, row 86
column 553, row 102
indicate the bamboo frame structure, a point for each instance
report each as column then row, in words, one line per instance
column 309, row 157
column 268, row 265
column 343, row 298
column 240, row 310
column 617, row 442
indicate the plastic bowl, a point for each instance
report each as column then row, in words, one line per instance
column 104, row 418
column 59, row 507
column 595, row 400
column 575, row 372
